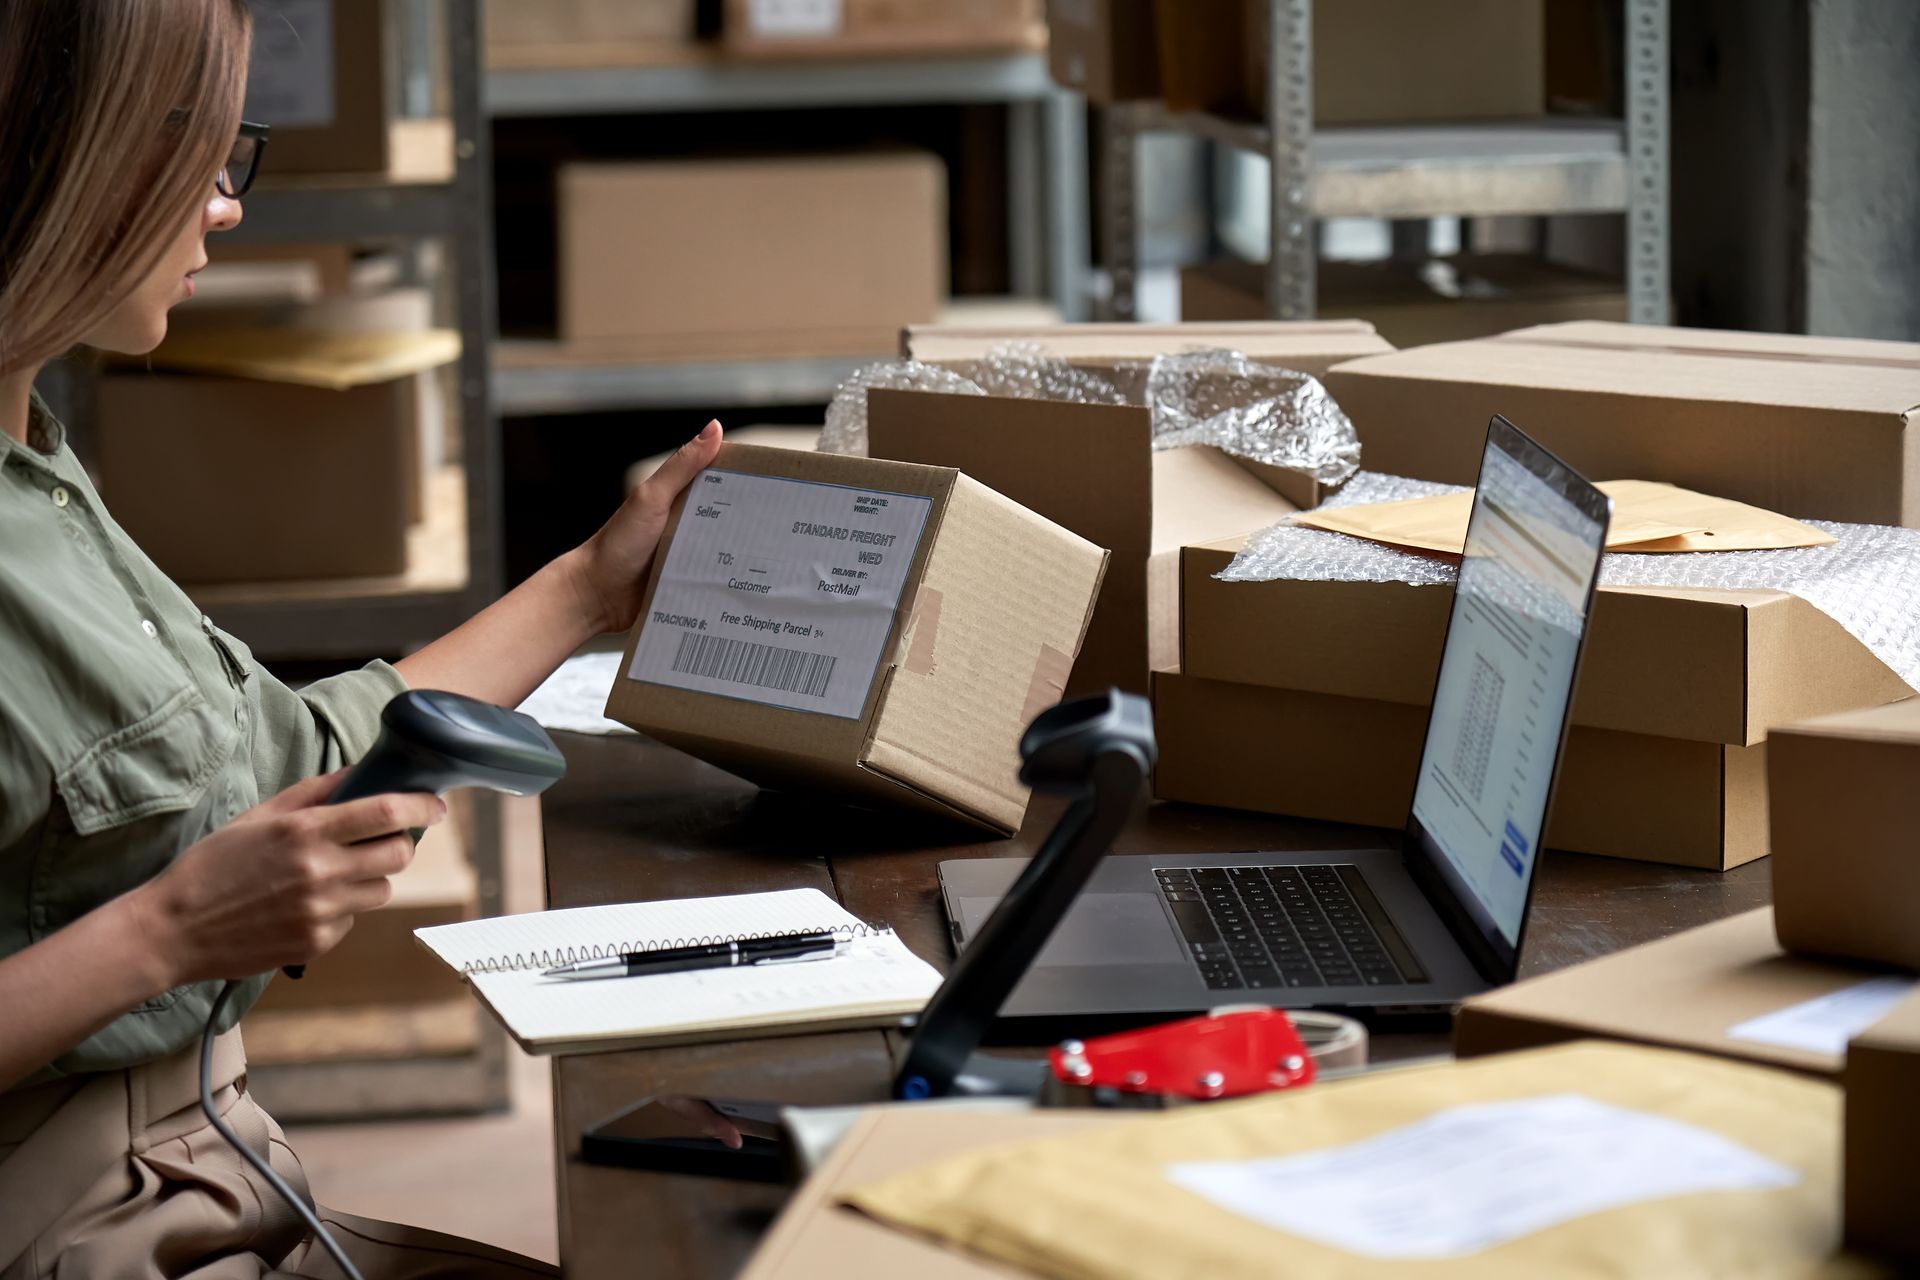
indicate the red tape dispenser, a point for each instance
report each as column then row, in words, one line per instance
column 1227, row 1054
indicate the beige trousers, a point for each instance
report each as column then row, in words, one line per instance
column 120, row 1175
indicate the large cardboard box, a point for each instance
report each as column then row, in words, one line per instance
column 1815, row 428
column 569, row 33
column 1306, row 346
column 324, row 74
column 1486, row 294
column 720, row 259
column 1374, row 61
column 1687, row 991
column 1107, row 49
column 266, row 455
column 878, row 28
column 1093, row 469
column 1881, row 1160
column 1314, row 755
column 1709, row 666
column 831, row 623
column 1846, row 834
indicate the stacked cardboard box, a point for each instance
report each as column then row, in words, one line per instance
column 1093, row 468
column 750, row 258
column 574, row 33
column 869, row 28
column 1310, row 698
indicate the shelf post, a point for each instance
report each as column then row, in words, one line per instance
column 1290, row 234
column 1649, row 270
column 1120, row 129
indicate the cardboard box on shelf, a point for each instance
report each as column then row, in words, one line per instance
column 751, row 258
column 1705, row 665
column 325, row 76
column 1882, row 1136
column 1814, row 428
column 1093, row 469
column 879, row 28
column 1314, row 755
column 268, row 455
column 1701, row 989
column 1483, row 295
column 1108, row 50
column 1846, row 867
column 573, row 33
column 1374, row 61
column 848, row 624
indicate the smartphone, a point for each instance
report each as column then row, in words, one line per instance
column 680, row 1133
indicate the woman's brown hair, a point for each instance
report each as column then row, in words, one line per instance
column 115, row 116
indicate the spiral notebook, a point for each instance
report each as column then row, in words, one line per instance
column 875, row 982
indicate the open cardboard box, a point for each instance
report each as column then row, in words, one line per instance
column 1882, row 1137
column 1814, row 428
column 1846, row 868
column 1093, row 469
column 1671, row 662
column 883, row 631
column 1317, row 755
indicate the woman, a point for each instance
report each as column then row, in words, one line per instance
column 162, row 797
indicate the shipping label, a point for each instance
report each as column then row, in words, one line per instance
column 780, row 591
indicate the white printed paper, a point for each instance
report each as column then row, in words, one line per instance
column 1825, row 1023
column 290, row 76
column 574, row 698
column 1472, row 1177
column 780, row 591
column 794, row 18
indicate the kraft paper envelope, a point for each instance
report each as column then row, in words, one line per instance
column 1104, row 1204
column 1647, row 517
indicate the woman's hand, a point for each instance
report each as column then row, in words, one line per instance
column 611, row 567
column 279, row 885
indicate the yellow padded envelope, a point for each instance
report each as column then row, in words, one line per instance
column 1647, row 517
column 1100, row 1204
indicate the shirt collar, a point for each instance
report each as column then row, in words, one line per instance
column 44, row 431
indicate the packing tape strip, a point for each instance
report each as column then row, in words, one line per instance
column 923, row 630
column 1050, row 672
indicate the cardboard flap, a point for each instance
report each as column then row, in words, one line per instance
column 329, row 361
column 1202, row 495
column 1311, row 346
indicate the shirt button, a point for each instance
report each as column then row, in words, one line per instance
column 59, row 495
column 146, row 625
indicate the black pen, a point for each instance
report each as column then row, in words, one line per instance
column 716, row 955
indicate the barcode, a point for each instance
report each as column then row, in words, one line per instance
column 764, row 666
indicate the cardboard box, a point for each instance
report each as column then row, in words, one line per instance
column 1307, row 346
column 1495, row 293
column 569, row 33
column 1882, row 1136
column 1108, row 50
column 722, row 259
column 1314, row 755
column 1093, row 469
column 324, row 76
column 1686, row 991
column 1814, row 428
column 870, row 28
column 260, row 455
column 833, row 623
column 1374, row 61
column 1710, row 666
column 1846, row 871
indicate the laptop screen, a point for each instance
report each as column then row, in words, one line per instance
column 1505, row 684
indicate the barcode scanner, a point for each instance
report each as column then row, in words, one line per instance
column 430, row 740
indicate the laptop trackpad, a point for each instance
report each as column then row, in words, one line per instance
column 1100, row 928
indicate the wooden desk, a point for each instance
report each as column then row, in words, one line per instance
column 635, row 820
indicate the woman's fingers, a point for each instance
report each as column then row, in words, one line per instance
column 682, row 465
column 377, row 816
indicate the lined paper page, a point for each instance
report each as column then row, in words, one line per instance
column 876, row 978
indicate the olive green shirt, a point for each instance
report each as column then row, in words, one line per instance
column 130, row 727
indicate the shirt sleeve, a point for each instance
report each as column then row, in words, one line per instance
column 321, row 727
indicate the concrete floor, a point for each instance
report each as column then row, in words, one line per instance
column 488, row 1178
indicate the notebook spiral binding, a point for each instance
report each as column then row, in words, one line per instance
column 519, row 961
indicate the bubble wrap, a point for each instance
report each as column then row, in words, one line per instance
column 1220, row 398
column 1868, row 580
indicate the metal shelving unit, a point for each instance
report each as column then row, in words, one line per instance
column 1047, row 221
column 1553, row 165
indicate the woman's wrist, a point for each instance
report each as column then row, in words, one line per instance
column 587, row 608
column 153, row 950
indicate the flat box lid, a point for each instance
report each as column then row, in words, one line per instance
column 1720, row 366
column 1895, row 722
column 1310, row 345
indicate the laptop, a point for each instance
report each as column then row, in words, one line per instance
column 1408, row 926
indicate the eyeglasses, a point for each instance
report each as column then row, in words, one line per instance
column 236, row 176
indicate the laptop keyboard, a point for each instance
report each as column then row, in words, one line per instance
column 1261, row 928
